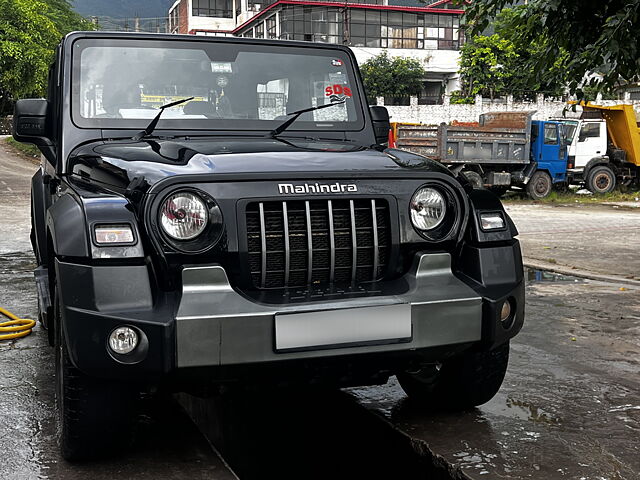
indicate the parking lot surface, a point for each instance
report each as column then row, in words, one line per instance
column 569, row 407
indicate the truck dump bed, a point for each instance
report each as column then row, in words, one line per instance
column 622, row 128
column 500, row 138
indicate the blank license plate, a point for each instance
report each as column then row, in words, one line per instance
column 342, row 328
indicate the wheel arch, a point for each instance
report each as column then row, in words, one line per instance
column 596, row 162
column 39, row 206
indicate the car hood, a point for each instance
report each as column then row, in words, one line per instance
column 119, row 163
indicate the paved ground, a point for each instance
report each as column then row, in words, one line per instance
column 168, row 444
column 569, row 408
column 570, row 405
column 600, row 239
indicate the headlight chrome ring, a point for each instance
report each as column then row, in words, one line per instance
column 428, row 208
column 183, row 216
column 190, row 220
column 435, row 211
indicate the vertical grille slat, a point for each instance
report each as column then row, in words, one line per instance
column 309, row 243
column 354, row 241
column 263, row 240
column 302, row 243
column 287, row 250
column 332, row 244
column 376, row 246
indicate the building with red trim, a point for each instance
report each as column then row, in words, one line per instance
column 430, row 33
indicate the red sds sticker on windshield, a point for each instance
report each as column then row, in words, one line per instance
column 338, row 93
column 336, row 62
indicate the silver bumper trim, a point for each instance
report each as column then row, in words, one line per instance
column 215, row 325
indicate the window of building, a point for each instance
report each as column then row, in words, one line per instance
column 271, row 27
column 213, row 8
column 173, row 20
column 431, row 94
column 259, row 30
column 318, row 24
column 365, row 27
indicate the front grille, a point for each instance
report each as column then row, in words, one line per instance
column 317, row 242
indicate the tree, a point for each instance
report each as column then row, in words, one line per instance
column 395, row 77
column 27, row 40
column 66, row 20
column 29, row 33
column 501, row 64
column 486, row 66
column 596, row 37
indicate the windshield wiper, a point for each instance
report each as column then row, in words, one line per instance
column 281, row 128
column 152, row 126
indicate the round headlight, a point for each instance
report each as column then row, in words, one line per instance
column 184, row 216
column 428, row 208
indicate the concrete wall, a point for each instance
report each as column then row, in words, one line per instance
column 436, row 114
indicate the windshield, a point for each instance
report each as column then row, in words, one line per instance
column 236, row 86
column 569, row 130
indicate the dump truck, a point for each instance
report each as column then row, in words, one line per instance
column 604, row 147
column 505, row 149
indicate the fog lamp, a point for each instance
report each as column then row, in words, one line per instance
column 123, row 340
column 506, row 317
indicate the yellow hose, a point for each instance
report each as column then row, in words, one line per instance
column 20, row 327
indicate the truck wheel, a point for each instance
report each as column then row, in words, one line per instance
column 539, row 186
column 463, row 382
column 474, row 179
column 601, row 179
column 96, row 415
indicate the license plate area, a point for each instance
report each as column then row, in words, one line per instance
column 343, row 328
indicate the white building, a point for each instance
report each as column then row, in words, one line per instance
column 430, row 33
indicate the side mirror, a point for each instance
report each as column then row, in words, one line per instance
column 381, row 124
column 30, row 122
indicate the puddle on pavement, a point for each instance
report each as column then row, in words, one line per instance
column 522, row 410
column 539, row 276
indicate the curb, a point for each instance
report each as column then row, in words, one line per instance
column 563, row 270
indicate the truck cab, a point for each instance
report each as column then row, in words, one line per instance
column 221, row 213
column 588, row 143
column 549, row 149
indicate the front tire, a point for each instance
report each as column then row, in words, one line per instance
column 474, row 179
column 539, row 185
column 96, row 415
column 463, row 382
column 601, row 179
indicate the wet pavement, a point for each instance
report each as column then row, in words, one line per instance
column 569, row 407
column 570, row 403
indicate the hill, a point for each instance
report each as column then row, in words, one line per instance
column 123, row 8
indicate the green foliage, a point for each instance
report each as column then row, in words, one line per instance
column 486, row 66
column 29, row 32
column 595, row 36
column 502, row 64
column 27, row 39
column 395, row 77
column 458, row 98
column 25, row 148
column 66, row 20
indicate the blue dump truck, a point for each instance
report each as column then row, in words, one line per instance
column 504, row 150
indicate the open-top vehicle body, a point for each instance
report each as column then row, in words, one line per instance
column 257, row 232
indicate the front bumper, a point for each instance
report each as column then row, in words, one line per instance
column 212, row 325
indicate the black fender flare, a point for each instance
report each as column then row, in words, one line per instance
column 39, row 206
column 594, row 162
column 66, row 225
